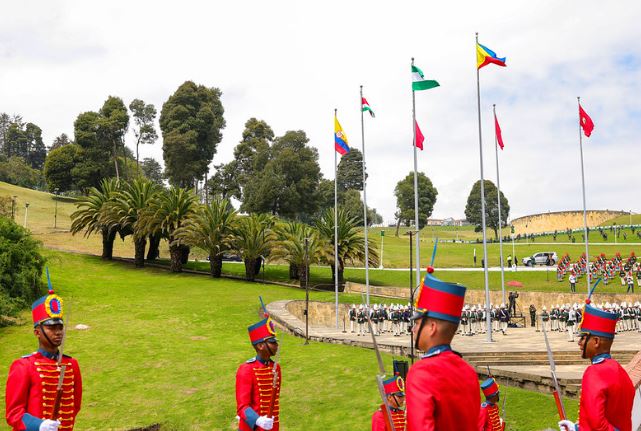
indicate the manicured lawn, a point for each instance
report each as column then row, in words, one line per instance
column 164, row 348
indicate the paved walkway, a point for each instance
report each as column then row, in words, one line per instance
column 517, row 341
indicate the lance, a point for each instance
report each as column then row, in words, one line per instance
column 61, row 367
column 272, row 399
column 557, row 390
column 504, row 398
column 387, row 412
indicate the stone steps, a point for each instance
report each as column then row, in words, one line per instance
column 535, row 358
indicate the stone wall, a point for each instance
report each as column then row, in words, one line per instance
column 320, row 313
column 401, row 294
column 561, row 220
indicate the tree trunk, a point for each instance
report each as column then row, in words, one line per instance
column 176, row 259
column 184, row 250
column 139, row 245
column 398, row 226
column 216, row 265
column 257, row 265
column 108, row 237
column 116, row 161
column 250, row 270
column 303, row 270
column 294, row 272
column 154, row 243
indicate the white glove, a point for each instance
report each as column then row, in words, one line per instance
column 566, row 425
column 49, row 425
column 264, row 422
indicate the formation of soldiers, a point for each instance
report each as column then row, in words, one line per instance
column 440, row 391
column 392, row 318
column 566, row 317
column 474, row 319
column 627, row 270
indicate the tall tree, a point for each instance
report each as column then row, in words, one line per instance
column 287, row 184
column 225, row 182
column 404, row 193
column 60, row 141
column 473, row 207
column 36, row 150
column 191, row 121
column 152, row 170
column 252, row 152
column 144, row 116
column 349, row 173
column 114, row 123
column 59, row 165
column 299, row 245
column 352, row 202
column 95, row 161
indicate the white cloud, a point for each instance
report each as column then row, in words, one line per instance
column 291, row 63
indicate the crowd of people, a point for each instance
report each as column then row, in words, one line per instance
column 626, row 269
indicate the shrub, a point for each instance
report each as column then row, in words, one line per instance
column 21, row 266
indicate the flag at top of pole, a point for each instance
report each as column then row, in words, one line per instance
column 586, row 122
column 485, row 56
column 419, row 82
column 366, row 108
column 340, row 139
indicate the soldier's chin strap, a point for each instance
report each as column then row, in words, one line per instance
column 418, row 333
column 42, row 330
column 585, row 345
column 271, row 352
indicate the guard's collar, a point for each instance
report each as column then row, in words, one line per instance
column 48, row 355
column 262, row 361
column 600, row 358
column 437, row 350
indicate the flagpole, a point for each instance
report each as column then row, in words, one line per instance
column 418, row 241
column 336, row 229
column 365, row 204
column 585, row 216
column 498, row 194
column 488, row 317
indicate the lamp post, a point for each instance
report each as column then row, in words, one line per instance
column 306, row 291
column 26, row 212
column 380, row 266
column 55, row 212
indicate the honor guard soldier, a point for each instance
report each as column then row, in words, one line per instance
column 442, row 389
column 258, row 382
column 490, row 417
column 504, row 318
column 545, row 317
column 44, row 389
column 607, row 393
column 352, row 318
column 361, row 319
column 395, row 393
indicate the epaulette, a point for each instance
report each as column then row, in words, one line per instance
column 29, row 354
column 249, row 361
column 484, row 404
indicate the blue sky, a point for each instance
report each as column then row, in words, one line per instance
column 291, row 63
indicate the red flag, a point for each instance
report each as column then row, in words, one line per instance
column 419, row 136
column 586, row 122
column 497, row 128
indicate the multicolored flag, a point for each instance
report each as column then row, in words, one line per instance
column 366, row 108
column 340, row 139
column 419, row 82
column 419, row 136
column 586, row 122
column 497, row 129
column 485, row 56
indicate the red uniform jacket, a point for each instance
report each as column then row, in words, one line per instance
column 490, row 419
column 254, row 381
column 607, row 395
column 379, row 423
column 442, row 393
column 31, row 392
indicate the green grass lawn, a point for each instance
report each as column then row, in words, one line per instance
column 623, row 236
column 164, row 348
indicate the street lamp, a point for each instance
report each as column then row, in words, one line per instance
column 55, row 213
column 26, row 212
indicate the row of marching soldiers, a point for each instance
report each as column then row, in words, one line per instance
column 566, row 317
column 474, row 319
column 392, row 318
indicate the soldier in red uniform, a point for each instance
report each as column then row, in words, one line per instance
column 442, row 389
column 607, row 393
column 33, row 379
column 395, row 392
column 257, row 400
column 490, row 418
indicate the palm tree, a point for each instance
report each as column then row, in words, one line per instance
column 164, row 215
column 253, row 240
column 291, row 248
column 351, row 244
column 210, row 229
column 125, row 208
column 88, row 216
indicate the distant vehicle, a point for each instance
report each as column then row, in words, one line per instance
column 542, row 258
column 232, row 258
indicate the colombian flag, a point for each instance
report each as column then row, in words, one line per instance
column 485, row 56
column 340, row 139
